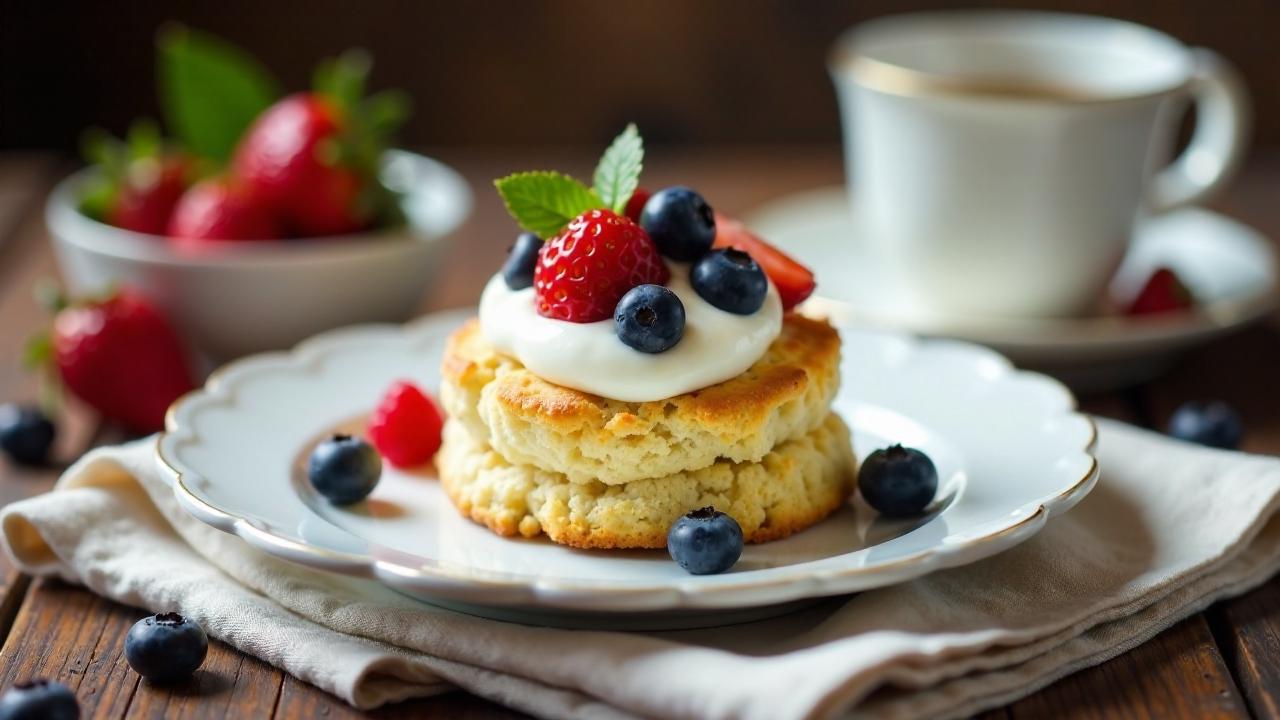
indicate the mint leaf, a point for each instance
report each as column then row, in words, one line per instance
column 544, row 202
column 618, row 174
column 210, row 90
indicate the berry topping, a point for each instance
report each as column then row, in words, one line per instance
column 517, row 271
column 344, row 469
column 1214, row 424
column 584, row 271
column 705, row 541
column 898, row 481
column 39, row 700
column 794, row 281
column 730, row 280
column 635, row 205
column 406, row 426
column 1162, row 293
column 681, row 223
column 165, row 647
column 25, row 434
column 649, row 318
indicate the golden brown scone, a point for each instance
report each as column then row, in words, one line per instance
column 587, row 438
column 797, row 484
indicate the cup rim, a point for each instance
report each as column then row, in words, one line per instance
column 846, row 60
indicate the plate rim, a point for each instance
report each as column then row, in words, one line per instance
column 1023, row 521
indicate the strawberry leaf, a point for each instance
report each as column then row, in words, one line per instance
column 544, row 202
column 342, row 79
column 618, row 174
column 210, row 90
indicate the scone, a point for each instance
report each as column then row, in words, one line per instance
column 790, row 488
column 627, row 369
column 530, row 421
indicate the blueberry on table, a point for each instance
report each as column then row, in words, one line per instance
column 705, row 541
column 344, row 469
column 165, row 647
column 25, row 434
column 517, row 271
column 680, row 222
column 39, row 700
column 1214, row 424
column 730, row 280
column 898, row 481
column 649, row 318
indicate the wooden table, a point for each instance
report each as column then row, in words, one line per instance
column 1224, row 662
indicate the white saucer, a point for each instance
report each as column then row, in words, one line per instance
column 1230, row 267
column 1010, row 448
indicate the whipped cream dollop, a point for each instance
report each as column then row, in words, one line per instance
column 716, row 346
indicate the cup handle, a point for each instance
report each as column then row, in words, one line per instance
column 1218, row 143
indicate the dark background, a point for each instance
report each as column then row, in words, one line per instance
column 543, row 72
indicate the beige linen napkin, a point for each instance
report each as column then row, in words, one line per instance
column 1169, row 529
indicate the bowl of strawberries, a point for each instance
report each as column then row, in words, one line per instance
column 263, row 218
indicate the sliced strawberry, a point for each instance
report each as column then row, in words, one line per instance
column 794, row 281
column 1163, row 292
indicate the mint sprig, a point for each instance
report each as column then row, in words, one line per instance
column 618, row 174
column 210, row 90
column 544, row 202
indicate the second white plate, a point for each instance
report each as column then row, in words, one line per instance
column 1010, row 447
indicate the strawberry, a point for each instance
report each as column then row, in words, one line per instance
column 585, row 270
column 406, row 425
column 1163, row 292
column 120, row 356
column 139, row 180
column 314, row 156
column 220, row 209
column 794, row 281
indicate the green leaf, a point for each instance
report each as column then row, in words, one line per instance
column 210, row 90
column 544, row 202
column 618, row 174
column 38, row 353
column 342, row 79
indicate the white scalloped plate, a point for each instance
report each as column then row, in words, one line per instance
column 1009, row 445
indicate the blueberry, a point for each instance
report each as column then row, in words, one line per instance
column 1214, row 424
column 649, row 318
column 165, row 647
column 705, row 542
column 681, row 223
column 898, row 481
column 344, row 469
column 730, row 280
column 517, row 271
column 39, row 700
column 25, row 434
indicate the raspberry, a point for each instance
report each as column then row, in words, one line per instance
column 584, row 271
column 406, row 426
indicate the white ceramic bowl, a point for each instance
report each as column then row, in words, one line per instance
column 250, row 297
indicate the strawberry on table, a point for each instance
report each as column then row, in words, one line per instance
column 794, row 281
column 220, row 209
column 140, row 180
column 314, row 156
column 121, row 357
column 1163, row 292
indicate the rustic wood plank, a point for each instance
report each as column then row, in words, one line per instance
column 1178, row 674
column 1248, row 631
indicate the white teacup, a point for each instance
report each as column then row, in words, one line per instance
column 998, row 160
